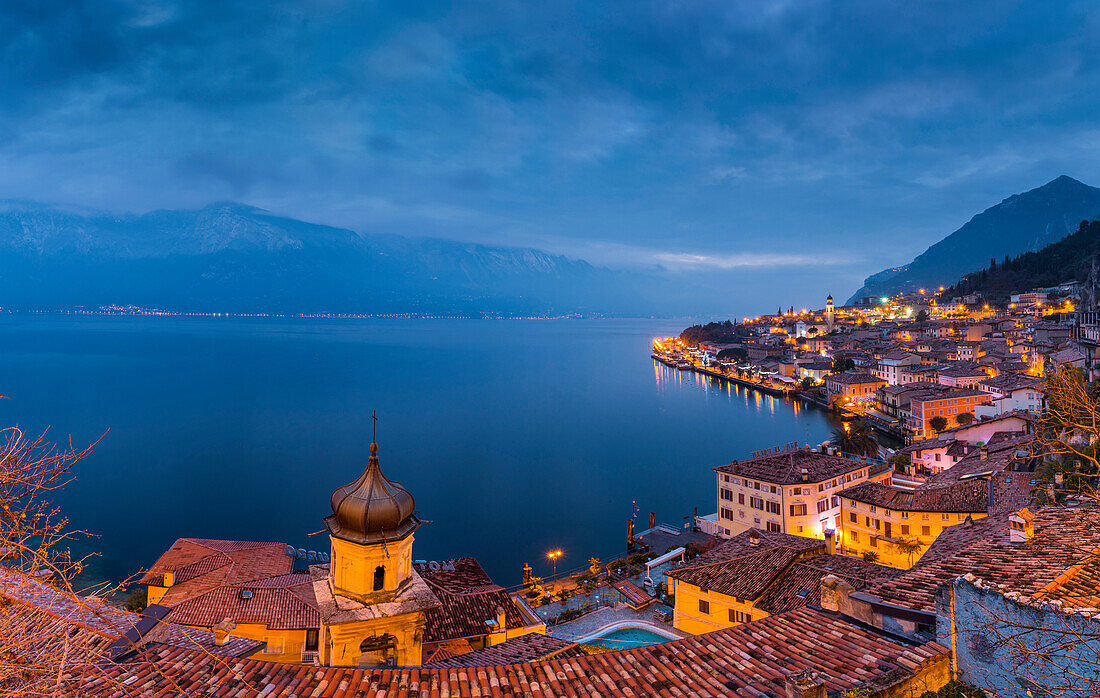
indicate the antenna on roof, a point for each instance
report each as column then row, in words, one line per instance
column 374, row 431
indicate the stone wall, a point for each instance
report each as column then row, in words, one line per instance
column 1007, row 643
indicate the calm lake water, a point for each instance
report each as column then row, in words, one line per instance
column 514, row 436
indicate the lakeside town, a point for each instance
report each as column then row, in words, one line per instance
column 958, row 494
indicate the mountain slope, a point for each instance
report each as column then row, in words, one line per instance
column 1021, row 223
column 1069, row 259
column 236, row 258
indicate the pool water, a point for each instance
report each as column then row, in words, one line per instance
column 625, row 638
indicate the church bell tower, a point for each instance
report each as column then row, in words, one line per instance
column 372, row 602
column 830, row 313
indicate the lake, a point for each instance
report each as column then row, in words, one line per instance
column 514, row 436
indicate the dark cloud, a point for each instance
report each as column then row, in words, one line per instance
column 633, row 132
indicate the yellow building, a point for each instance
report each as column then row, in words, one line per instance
column 898, row 525
column 758, row 574
column 790, row 490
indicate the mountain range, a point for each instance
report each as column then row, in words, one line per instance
column 1021, row 223
column 236, row 258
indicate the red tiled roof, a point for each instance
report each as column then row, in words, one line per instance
column 525, row 648
column 970, row 496
column 786, row 468
column 1064, row 539
column 801, row 583
column 750, row 660
column 190, row 558
column 468, row 598
column 280, row 603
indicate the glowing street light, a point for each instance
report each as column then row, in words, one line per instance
column 553, row 556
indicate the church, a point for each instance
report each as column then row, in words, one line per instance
column 371, row 604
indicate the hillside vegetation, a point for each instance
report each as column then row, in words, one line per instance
column 1069, row 259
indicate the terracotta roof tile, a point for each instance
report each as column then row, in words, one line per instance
column 749, row 660
column 786, row 468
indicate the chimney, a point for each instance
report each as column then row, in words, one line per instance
column 804, row 684
column 169, row 577
column 830, row 541
column 983, row 452
column 863, row 459
column 502, row 620
column 222, row 630
column 805, row 475
column 754, row 538
column 1021, row 528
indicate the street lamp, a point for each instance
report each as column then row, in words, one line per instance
column 553, row 556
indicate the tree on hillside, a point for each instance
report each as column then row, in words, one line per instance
column 856, row 437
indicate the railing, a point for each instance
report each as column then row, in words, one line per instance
column 310, row 657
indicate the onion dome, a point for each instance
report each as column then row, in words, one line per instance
column 373, row 508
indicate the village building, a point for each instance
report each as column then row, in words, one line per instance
column 852, row 387
column 898, row 525
column 790, row 491
column 757, row 574
column 923, row 408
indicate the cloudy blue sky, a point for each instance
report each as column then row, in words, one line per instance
column 823, row 139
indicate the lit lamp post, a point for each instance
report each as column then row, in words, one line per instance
column 553, row 556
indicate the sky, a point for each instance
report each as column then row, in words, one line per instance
column 801, row 143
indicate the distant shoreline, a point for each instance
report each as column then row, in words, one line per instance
column 153, row 312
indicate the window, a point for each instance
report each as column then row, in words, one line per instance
column 904, row 530
column 873, row 509
column 740, row 497
column 774, row 527
column 725, row 478
column 821, row 487
column 773, row 489
column 854, row 535
column 756, row 485
column 874, row 542
column 877, row 524
column 727, row 495
column 905, row 515
column 311, row 640
column 852, row 517
column 834, row 502
column 379, row 577
column 773, row 507
column 727, row 513
column 756, row 503
column 822, row 505
column 273, row 645
column 925, row 531
column 739, row 617
column 946, row 517
column 796, row 490
column 704, row 606
column 798, row 510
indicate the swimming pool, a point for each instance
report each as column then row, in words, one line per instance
column 625, row 637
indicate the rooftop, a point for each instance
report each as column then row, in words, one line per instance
column 961, row 497
column 786, row 468
column 752, row 659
